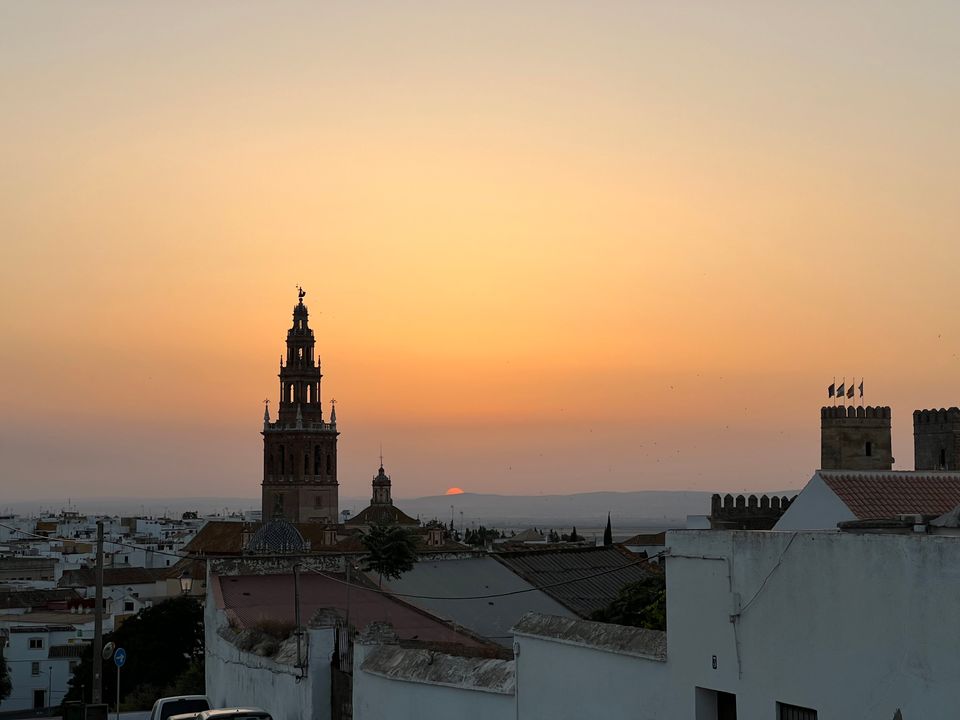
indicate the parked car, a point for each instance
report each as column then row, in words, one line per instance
column 165, row 708
column 239, row 713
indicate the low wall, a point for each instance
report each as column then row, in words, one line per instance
column 235, row 677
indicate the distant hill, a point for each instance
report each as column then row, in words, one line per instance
column 642, row 508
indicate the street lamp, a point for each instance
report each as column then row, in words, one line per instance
column 186, row 582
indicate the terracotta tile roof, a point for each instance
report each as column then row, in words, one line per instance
column 87, row 577
column 250, row 599
column 872, row 495
column 219, row 537
column 381, row 514
column 36, row 598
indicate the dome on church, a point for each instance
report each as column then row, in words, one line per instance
column 276, row 536
column 381, row 478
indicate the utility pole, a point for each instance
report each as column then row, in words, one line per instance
column 98, row 623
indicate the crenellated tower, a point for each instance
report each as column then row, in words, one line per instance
column 936, row 439
column 300, row 449
column 855, row 438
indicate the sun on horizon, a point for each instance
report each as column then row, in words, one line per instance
column 454, row 491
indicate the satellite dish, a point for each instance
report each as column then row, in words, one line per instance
column 107, row 651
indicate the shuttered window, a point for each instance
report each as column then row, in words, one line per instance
column 794, row 712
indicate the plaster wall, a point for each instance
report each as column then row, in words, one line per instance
column 817, row 507
column 235, row 677
column 852, row 626
column 379, row 698
column 563, row 681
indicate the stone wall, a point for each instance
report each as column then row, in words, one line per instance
column 747, row 513
column 855, row 438
column 936, row 439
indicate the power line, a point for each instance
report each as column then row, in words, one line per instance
column 491, row 595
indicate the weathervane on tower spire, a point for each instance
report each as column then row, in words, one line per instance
column 300, row 293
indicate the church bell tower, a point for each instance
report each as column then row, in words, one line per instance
column 299, row 448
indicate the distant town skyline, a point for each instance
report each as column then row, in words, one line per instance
column 552, row 248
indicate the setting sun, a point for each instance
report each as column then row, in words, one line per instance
column 454, row 491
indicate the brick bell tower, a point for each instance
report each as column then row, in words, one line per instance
column 300, row 449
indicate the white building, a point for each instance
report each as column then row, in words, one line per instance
column 40, row 659
column 835, row 496
column 761, row 625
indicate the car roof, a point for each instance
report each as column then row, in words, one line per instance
column 230, row 712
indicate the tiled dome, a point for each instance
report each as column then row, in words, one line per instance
column 276, row 536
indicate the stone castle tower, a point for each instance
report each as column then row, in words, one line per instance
column 300, row 449
column 936, row 439
column 855, row 438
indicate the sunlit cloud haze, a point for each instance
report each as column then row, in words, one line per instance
column 548, row 247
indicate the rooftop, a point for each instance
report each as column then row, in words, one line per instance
column 87, row 577
column 640, row 642
column 470, row 577
column 886, row 494
column 546, row 568
column 249, row 599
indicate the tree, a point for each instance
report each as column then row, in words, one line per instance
column 163, row 643
column 573, row 535
column 608, row 533
column 5, row 685
column 640, row 604
column 552, row 537
column 391, row 551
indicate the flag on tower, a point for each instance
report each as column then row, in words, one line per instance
column 861, row 389
column 850, row 391
column 831, row 391
column 840, row 390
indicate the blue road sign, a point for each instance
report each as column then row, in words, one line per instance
column 120, row 657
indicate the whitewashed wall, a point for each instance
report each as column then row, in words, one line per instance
column 238, row 678
column 562, row 681
column 379, row 698
column 817, row 507
column 853, row 626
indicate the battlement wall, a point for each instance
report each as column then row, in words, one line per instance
column 925, row 418
column 747, row 512
column 844, row 412
column 936, row 439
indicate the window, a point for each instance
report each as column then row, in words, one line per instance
column 317, row 501
column 306, row 463
column 128, row 606
column 869, row 448
column 34, row 668
column 794, row 712
column 329, row 465
column 36, row 643
column 943, row 459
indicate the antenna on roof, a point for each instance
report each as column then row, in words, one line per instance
column 381, row 455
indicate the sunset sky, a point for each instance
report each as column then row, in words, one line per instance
column 547, row 246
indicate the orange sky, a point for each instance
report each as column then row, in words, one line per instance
column 548, row 248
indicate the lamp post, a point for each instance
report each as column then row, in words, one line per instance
column 186, row 582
